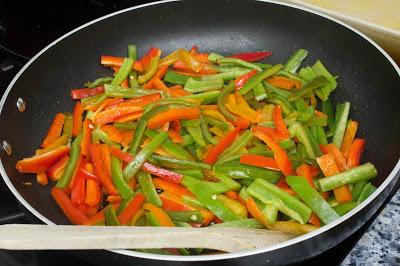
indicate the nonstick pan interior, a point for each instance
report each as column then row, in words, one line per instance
column 366, row 78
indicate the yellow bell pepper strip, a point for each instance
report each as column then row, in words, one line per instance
column 243, row 111
column 148, row 189
column 217, row 150
column 173, row 114
column 159, row 214
column 348, row 138
column 295, row 60
column 116, row 173
column 133, row 166
column 312, row 198
column 55, row 130
column 257, row 78
column 292, row 227
column 189, row 60
column 214, row 114
column 341, row 116
column 123, row 72
column 234, row 205
column 365, row 171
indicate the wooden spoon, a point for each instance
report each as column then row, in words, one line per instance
column 58, row 237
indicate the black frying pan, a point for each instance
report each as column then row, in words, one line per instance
column 369, row 79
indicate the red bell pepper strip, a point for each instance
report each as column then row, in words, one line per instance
column 133, row 207
column 224, row 143
column 146, row 59
column 280, row 125
column 305, row 171
column 240, row 81
column 77, row 119
column 78, row 94
column 55, row 130
column 252, row 56
column 55, row 171
column 314, row 220
column 280, row 155
column 86, row 139
column 355, row 152
column 64, row 202
column 272, row 132
column 114, row 61
column 101, row 162
column 78, row 190
column 41, row 163
column 152, row 169
column 159, row 74
column 258, row 160
column 171, row 115
column 241, row 122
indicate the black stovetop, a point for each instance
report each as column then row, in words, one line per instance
column 23, row 32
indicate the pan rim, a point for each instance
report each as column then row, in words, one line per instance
column 295, row 240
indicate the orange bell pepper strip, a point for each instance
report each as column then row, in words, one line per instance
column 125, row 84
column 329, row 167
column 99, row 216
column 348, row 138
column 222, row 145
column 161, row 216
column 280, row 155
column 133, row 207
column 56, row 170
column 174, row 132
column 280, row 125
column 141, row 101
column 259, row 161
column 240, row 81
column 87, row 138
column 77, row 119
column 78, row 189
column 42, row 179
column 129, row 117
column 314, row 220
column 111, row 61
column 232, row 195
column 113, row 133
column 110, row 115
column 113, row 199
column 355, row 152
column 127, row 136
column 61, row 141
column 305, row 171
column 101, row 163
column 93, row 193
column 256, row 212
column 159, row 74
column 64, row 202
column 173, row 114
column 171, row 187
column 41, row 163
column 55, row 130
column 172, row 202
column 285, row 187
column 284, row 82
column 241, row 122
column 337, row 155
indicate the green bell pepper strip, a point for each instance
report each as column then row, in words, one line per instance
column 196, row 86
column 187, row 140
column 65, row 179
column 283, row 102
column 213, row 57
column 209, row 199
column 226, row 75
column 221, row 101
column 206, row 132
column 307, row 73
column 295, row 60
column 238, row 61
column 176, row 78
column 142, row 221
column 236, row 170
column 243, row 223
column 180, row 164
column 230, row 68
column 172, row 148
column 342, row 114
column 312, row 198
column 327, row 109
column 194, row 202
column 357, row 188
column 186, row 216
column 288, row 121
column 146, row 185
column 324, row 91
column 366, row 192
column 117, row 91
column 98, row 82
column 67, row 128
column 271, row 194
column 257, row 78
column 133, row 166
column 313, row 142
column 287, row 144
column 125, row 126
column 91, row 99
column 321, row 135
column 216, row 123
column 152, row 69
column 196, row 173
column 211, row 187
column 310, row 86
column 205, row 97
column 132, row 79
column 305, row 112
column 272, row 89
column 270, row 212
column 344, row 208
column 362, row 172
column 235, row 157
column 230, row 183
column 297, row 130
column 195, row 132
column 158, row 251
column 123, row 72
column 262, row 65
column 259, row 92
column 132, row 51
column 237, row 145
column 190, row 123
column 243, row 194
column 98, row 134
column 141, row 127
column 152, row 220
column 116, row 173
column 110, row 216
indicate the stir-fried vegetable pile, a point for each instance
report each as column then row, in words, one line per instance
column 198, row 139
